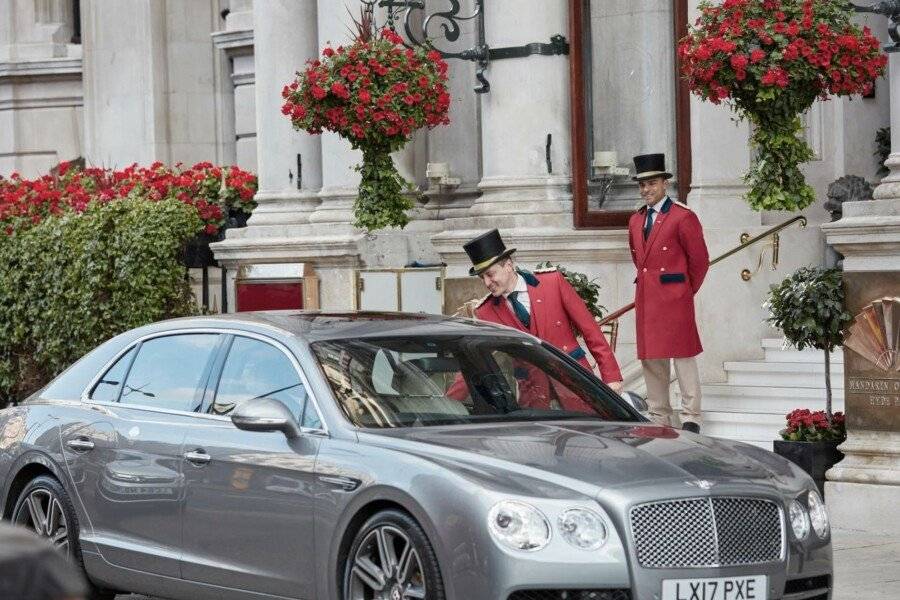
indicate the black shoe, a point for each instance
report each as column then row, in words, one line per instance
column 690, row 426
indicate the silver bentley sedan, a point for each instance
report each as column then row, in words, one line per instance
column 368, row 456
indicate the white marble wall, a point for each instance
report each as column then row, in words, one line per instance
column 40, row 86
column 150, row 84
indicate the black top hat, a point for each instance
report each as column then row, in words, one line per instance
column 486, row 250
column 648, row 166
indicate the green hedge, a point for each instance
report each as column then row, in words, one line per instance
column 75, row 280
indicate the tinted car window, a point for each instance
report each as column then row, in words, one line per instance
column 107, row 389
column 168, row 371
column 418, row 381
column 255, row 369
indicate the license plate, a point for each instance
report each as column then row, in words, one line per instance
column 754, row 587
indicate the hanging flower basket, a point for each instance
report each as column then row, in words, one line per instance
column 770, row 60
column 374, row 93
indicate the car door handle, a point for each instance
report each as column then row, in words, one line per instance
column 197, row 457
column 80, row 444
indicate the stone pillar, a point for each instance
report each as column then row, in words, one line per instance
column 339, row 179
column 140, row 107
column 237, row 73
column 285, row 38
column 868, row 236
column 525, row 105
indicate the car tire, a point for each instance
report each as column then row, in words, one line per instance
column 51, row 496
column 391, row 557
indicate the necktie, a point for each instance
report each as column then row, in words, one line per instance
column 649, row 224
column 520, row 310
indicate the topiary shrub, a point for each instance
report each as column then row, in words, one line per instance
column 808, row 307
column 75, row 280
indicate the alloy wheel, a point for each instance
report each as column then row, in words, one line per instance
column 43, row 513
column 386, row 566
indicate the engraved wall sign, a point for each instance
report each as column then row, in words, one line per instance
column 872, row 351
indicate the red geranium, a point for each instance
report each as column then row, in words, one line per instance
column 213, row 191
column 804, row 425
column 798, row 50
column 375, row 93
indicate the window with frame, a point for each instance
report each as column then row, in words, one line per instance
column 170, row 372
column 109, row 386
column 256, row 369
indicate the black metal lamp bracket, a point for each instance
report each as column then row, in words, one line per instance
column 416, row 26
column 891, row 10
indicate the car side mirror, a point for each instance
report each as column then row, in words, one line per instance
column 636, row 401
column 265, row 414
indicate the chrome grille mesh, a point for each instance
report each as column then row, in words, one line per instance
column 707, row 532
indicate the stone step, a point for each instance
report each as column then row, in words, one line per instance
column 752, row 428
column 783, row 374
column 775, row 351
column 765, row 399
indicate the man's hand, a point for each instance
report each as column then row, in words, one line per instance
column 615, row 386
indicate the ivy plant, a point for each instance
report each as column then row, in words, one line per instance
column 75, row 280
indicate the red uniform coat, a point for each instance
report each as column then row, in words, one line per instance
column 556, row 312
column 671, row 265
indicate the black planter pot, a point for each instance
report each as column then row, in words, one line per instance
column 813, row 457
column 197, row 253
column 237, row 218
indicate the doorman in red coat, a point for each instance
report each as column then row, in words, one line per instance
column 543, row 304
column 670, row 254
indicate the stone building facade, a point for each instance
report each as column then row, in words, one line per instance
column 191, row 80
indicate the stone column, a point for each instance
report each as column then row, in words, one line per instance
column 339, row 179
column 285, row 38
column 868, row 235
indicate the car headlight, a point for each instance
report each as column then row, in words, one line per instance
column 818, row 515
column 799, row 520
column 583, row 528
column 519, row 526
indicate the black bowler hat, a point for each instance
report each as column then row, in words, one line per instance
column 648, row 166
column 486, row 250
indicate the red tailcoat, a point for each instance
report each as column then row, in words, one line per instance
column 671, row 265
column 556, row 312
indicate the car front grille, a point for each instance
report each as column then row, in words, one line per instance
column 707, row 532
column 570, row 595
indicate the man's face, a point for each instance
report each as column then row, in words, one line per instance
column 500, row 278
column 653, row 190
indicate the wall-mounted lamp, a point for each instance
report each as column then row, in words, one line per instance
column 438, row 174
column 604, row 170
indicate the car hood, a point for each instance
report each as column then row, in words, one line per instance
column 608, row 455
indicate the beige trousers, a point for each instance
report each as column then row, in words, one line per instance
column 658, row 375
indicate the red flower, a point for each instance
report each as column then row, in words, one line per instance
column 328, row 52
column 318, row 93
column 757, row 55
column 364, row 96
column 340, row 90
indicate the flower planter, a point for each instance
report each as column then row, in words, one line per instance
column 236, row 218
column 813, row 457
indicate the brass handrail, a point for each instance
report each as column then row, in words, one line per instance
column 772, row 231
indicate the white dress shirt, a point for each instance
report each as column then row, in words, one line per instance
column 522, row 288
column 656, row 207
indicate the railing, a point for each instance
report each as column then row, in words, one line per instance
column 746, row 242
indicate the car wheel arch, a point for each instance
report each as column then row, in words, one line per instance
column 26, row 468
column 371, row 503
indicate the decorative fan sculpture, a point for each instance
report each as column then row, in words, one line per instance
column 875, row 334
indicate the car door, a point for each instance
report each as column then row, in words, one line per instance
column 248, row 520
column 125, row 456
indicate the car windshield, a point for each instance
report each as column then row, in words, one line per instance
column 418, row 381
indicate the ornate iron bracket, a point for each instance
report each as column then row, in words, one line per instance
column 890, row 9
column 408, row 14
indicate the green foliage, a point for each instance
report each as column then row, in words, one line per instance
column 75, row 280
column 381, row 202
column 588, row 289
column 882, row 149
column 808, row 307
column 775, row 179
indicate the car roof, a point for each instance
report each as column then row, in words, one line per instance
column 313, row 326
